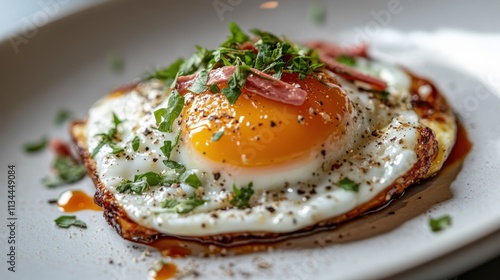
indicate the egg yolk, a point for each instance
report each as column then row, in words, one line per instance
column 257, row 132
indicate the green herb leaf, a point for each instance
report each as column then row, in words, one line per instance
column 116, row 120
column 317, row 13
column 168, row 146
column 236, row 83
column 107, row 138
column 191, row 179
column 242, row 196
column 167, row 74
column 62, row 116
column 348, row 60
column 217, row 135
column 115, row 61
column 214, row 88
column 182, row 206
column 128, row 186
column 179, row 168
column 68, row 172
column 169, row 114
column 67, row 221
column 348, row 185
column 135, row 143
column 200, row 84
column 440, row 223
column 236, row 35
column 36, row 146
column 153, row 179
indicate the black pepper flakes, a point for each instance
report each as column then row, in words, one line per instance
column 270, row 209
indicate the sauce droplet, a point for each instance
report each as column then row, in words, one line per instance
column 76, row 200
column 166, row 271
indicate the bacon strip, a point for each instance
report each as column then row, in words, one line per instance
column 334, row 50
column 328, row 52
column 351, row 73
column 257, row 82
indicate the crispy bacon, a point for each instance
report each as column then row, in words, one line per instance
column 257, row 82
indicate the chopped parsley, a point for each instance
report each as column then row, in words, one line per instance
column 348, row 185
column 168, row 146
column 62, row 116
column 167, row 74
column 174, row 165
column 143, row 182
column 191, row 179
column 348, row 60
column 242, row 196
column 200, row 84
column 274, row 56
column 67, row 221
column 236, row 83
column 165, row 117
column 317, row 13
column 37, row 146
column 217, row 135
column 108, row 138
column 182, row 206
column 115, row 61
column 68, row 172
column 440, row 223
column 214, row 88
column 135, row 143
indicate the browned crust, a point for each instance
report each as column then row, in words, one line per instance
column 433, row 107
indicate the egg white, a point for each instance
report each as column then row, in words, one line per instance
column 300, row 193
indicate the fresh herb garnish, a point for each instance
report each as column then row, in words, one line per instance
column 182, row 206
column 214, row 88
column 108, row 138
column 274, row 56
column 62, row 116
column 317, row 13
column 68, row 172
column 115, row 61
column 67, row 221
column 236, row 83
column 191, row 179
column 217, row 135
column 242, row 196
column 438, row 224
column 36, row 146
column 135, row 143
column 168, row 146
column 141, row 183
column 348, row 185
column 200, row 84
column 165, row 117
column 348, row 60
column 174, row 165
column 167, row 74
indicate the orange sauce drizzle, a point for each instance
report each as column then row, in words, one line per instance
column 76, row 200
column 167, row 271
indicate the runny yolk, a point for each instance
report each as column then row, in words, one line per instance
column 261, row 132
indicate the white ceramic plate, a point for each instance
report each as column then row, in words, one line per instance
column 64, row 65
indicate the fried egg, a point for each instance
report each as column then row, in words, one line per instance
column 294, row 157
